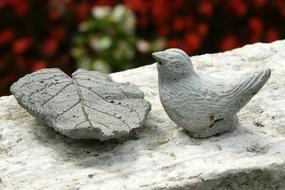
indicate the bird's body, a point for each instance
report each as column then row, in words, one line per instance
column 202, row 105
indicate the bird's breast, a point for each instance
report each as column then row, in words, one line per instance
column 173, row 98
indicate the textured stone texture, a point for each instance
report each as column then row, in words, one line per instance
column 160, row 155
column 203, row 105
column 88, row 105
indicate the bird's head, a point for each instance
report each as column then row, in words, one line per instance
column 173, row 64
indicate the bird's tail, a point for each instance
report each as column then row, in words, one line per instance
column 247, row 88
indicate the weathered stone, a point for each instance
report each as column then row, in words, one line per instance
column 159, row 155
column 203, row 105
column 90, row 105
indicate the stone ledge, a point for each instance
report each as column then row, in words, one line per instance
column 159, row 155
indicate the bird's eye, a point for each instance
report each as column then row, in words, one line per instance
column 159, row 63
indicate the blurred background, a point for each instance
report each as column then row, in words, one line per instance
column 114, row 35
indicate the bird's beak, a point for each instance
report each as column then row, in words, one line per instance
column 159, row 57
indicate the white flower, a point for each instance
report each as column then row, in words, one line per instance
column 143, row 46
column 119, row 13
column 125, row 17
column 158, row 44
column 100, row 44
column 130, row 22
column 101, row 65
column 100, row 11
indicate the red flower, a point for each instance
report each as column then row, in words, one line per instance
column 137, row 5
column 58, row 33
column 228, row 43
column 39, row 65
column 255, row 25
column 21, row 45
column 50, row 47
column 104, row 2
column 178, row 4
column 202, row 29
column 142, row 22
column 179, row 24
column 21, row 7
column 4, row 3
column 189, row 21
column 83, row 10
column 6, row 36
column 160, row 12
column 238, row 7
column 54, row 14
column 164, row 31
column 174, row 43
column 271, row 35
column 205, row 8
column 193, row 42
column 259, row 3
column 142, row 10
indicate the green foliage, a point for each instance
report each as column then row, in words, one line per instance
column 107, row 41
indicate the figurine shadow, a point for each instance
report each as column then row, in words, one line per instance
column 102, row 155
column 83, row 153
column 218, row 135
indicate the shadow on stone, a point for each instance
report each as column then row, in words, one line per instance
column 84, row 153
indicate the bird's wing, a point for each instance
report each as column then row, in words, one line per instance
column 211, row 97
column 236, row 95
column 202, row 94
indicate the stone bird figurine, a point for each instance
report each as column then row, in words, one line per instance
column 202, row 105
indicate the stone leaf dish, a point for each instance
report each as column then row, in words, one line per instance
column 88, row 105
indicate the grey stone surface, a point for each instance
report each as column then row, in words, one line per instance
column 90, row 105
column 203, row 105
column 159, row 155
